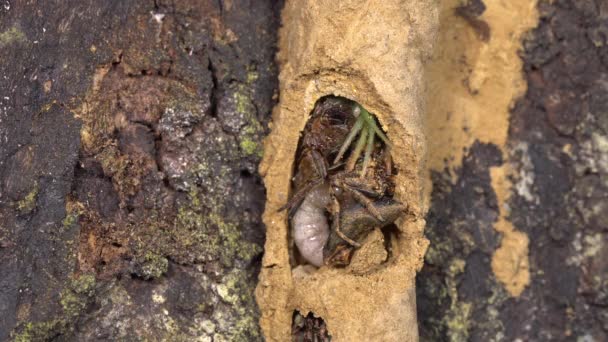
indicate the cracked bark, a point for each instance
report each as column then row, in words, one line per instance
column 109, row 241
column 129, row 199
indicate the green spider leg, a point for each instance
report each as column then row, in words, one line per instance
column 349, row 138
column 352, row 160
column 367, row 129
column 368, row 152
column 371, row 124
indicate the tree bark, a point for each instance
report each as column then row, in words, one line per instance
column 130, row 205
column 130, row 201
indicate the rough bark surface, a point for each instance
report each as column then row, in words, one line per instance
column 558, row 140
column 130, row 204
column 130, row 131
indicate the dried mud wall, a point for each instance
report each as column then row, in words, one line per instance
column 372, row 53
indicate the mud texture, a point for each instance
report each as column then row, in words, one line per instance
column 557, row 151
column 130, row 133
column 372, row 53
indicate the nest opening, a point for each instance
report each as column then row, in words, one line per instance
column 342, row 186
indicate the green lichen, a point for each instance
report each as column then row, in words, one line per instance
column 251, row 147
column 243, row 103
column 231, row 241
column 253, row 131
column 75, row 297
column 12, row 35
column 193, row 235
column 208, row 326
column 457, row 318
column 70, row 219
column 593, row 244
column 201, row 233
column 39, row 331
column 183, row 100
column 458, row 322
column 252, row 76
column 153, row 266
column 84, row 285
column 28, row 203
column 234, row 290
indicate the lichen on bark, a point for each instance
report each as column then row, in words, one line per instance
column 139, row 156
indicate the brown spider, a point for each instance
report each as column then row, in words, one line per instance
column 327, row 137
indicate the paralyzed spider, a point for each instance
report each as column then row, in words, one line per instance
column 337, row 189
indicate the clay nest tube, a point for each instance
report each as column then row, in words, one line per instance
column 354, row 50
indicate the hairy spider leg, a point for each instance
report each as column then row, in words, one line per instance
column 368, row 152
column 319, row 163
column 363, row 187
column 366, row 202
column 349, row 138
column 336, row 224
column 352, row 160
column 372, row 123
column 295, row 201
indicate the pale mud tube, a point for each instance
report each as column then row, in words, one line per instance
column 370, row 55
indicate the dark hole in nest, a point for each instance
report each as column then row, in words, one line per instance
column 344, row 150
column 309, row 328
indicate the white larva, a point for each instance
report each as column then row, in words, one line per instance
column 310, row 226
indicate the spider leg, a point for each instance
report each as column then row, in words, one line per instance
column 349, row 138
column 339, row 232
column 320, row 166
column 372, row 124
column 299, row 196
column 335, row 167
column 363, row 187
column 388, row 161
column 366, row 202
column 368, row 151
column 319, row 163
column 352, row 160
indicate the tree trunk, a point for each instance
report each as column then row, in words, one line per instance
column 131, row 203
